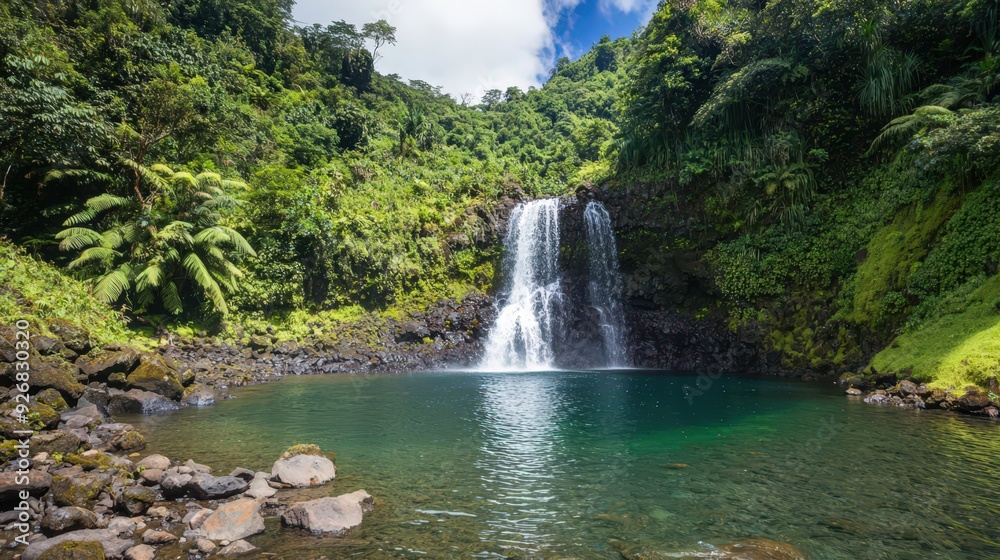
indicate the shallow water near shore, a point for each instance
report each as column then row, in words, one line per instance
column 576, row 464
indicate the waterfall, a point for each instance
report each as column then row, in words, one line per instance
column 604, row 286
column 522, row 336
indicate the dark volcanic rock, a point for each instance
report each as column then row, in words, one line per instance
column 101, row 363
column 155, row 375
column 137, row 401
column 207, row 487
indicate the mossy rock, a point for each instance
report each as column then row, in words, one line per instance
column 155, row 375
column 301, row 449
column 74, row 550
column 56, row 442
column 55, row 373
column 8, row 450
column 75, row 338
column 79, row 490
column 137, row 499
column 52, row 398
column 101, row 362
column 187, row 378
column 42, row 416
column 118, row 380
column 98, row 461
column 131, row 440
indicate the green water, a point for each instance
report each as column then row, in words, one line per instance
column 567, row 464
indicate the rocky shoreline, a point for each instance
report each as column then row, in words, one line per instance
column 76, row 486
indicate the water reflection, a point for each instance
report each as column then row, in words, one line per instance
column 520, row 457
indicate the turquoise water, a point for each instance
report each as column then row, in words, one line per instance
column 575, row 464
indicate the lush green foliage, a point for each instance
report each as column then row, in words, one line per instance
column 34, row 290
column 781, row 150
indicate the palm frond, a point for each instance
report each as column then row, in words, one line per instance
column 112, row 285
column 76, row 238
column 197, row 270
column 93, row 254
column 171, row 298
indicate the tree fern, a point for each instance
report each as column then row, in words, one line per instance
column 155, row 248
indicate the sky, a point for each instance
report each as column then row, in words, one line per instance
column 470, row 46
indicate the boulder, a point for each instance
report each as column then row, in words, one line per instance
column 197, row 467
column 39, row 483
column 196, row 518
column 55, row 373
column 205, row 545
column 79, row 489
column 207, row 487
column 100, row 364
column 154, row 462
column 303, row 465
column 114, row 547
column 118, row 437
column 61, row 520
column 973, row 400
column 136, row 500
column 58, row 441
column 761, row 549
column 329, row 516
column 233, row 521
column 137, row 401
column 238, row 548
column 198, row 395
column 154, row 375
column 158, row 538
column 46, row 345
column 174, row 484
column 140, row 552
column 259, row 487
column 74, row 550
column 245, row 474
column 75, row 338
column 52, row 398
column 151, row 477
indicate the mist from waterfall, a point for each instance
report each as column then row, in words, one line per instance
column 522, row 336
column 604, row 283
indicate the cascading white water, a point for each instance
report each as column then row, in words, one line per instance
column 604, row 286
column 522, row 336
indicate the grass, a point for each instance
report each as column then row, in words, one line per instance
column 956, row 349
column 34, row 290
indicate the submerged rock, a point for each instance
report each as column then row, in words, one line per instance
column 237, row 548
column 137, row 401
column 330, row 516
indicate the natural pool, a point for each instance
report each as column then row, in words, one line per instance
column 573, row 464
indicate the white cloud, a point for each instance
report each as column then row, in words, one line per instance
column 645, row 7
column 464, row 46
